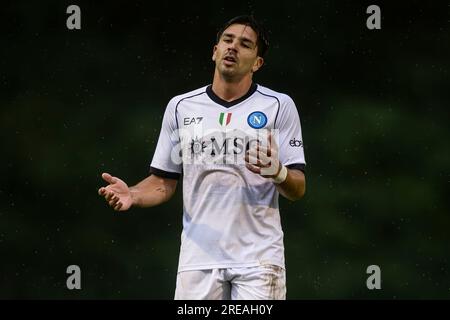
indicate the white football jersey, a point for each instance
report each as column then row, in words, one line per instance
column 230, row 214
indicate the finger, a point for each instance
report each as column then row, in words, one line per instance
column 247, row 158
column 113, row 201
column 264, row 159
column 109, row 178
column 116, row 198
column 271, row 170
column 113, row 204
column 272, row 142
column 259, row 158
column 101, row 191
column 251, row 159
column 252, row 168
column 258, row 151
column 264, row 150
column 269, row 144
column 252, row 152
column 118, row 206
column 109, row 195
column 258, row 145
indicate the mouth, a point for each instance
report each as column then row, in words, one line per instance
column 229, row 60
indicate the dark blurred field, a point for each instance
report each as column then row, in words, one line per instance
column 375, row 118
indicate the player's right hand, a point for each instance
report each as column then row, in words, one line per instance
column 117, row 193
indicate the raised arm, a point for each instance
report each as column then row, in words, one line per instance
column 150, row 192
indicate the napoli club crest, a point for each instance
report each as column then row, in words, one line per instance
column 257, row 120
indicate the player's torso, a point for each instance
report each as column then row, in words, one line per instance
column 230, row 213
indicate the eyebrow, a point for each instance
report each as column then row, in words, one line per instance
column 244, row 39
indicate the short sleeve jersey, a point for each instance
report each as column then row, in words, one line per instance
column 230, row 215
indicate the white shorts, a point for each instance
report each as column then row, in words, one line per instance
column 266, row 282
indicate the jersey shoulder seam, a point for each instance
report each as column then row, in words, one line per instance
column 278, row 102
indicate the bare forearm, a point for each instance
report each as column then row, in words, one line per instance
column 293, row 188
column 152, row 191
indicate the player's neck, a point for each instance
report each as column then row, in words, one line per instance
column 230, row 90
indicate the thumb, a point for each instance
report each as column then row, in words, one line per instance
column 109, row 178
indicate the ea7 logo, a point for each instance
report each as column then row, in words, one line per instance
column 193, row 120
column 295, row 143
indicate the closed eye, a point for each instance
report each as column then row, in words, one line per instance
column 247, row 43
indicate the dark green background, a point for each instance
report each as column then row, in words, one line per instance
column 373, row 106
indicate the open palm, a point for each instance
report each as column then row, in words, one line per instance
column 117, row 193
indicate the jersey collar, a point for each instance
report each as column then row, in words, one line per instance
column 228, row 104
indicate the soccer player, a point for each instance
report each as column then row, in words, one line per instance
column 237, row 145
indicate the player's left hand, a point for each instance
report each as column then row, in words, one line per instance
column 264, row 160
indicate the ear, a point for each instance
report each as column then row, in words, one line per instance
column 258, row 64
column 214, row 53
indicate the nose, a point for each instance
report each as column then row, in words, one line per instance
column 232, row 46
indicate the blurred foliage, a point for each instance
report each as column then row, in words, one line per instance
column 374, row 111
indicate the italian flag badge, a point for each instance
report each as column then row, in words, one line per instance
column 224, row 118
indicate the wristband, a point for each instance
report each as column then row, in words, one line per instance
column 282, row 175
